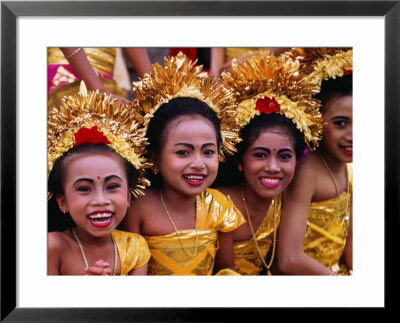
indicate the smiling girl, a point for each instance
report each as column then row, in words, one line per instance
column 92, row 170
column 315, row 235
column 278, row 117
column 190, row 123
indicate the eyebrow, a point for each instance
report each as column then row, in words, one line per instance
column 192, row 146
column 269, row 150
column 340, row 117
column 107, row 178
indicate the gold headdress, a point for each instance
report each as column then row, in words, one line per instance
column 318, row 64
column 180, row 77
column 265, row 84
column 95, row 117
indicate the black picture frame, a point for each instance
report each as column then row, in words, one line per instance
column 10, row 10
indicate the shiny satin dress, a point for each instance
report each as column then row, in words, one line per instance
column 63, row 80
column 327, row 228
column 247, row 258
column 132, row 249
column 215, row 212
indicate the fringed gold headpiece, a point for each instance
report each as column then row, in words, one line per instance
column 265, row 84
column 98, row 118
column 180, row 77
column 318, row 64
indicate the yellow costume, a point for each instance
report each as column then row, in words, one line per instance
column 132, row 249
column 247, row 258
column 327, row 227
column 214, row 212
column 63, row 81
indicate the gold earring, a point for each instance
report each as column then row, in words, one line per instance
column 240, row 167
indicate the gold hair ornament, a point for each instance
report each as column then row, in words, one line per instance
column 319, row 64
column 100, row 113
column 264, row 83
column 180, row 77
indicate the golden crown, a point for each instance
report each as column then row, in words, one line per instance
column 181, row 77
column 264, row 83
column 318, row 64
column 92, row 115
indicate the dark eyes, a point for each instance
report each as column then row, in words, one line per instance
column 83, row 188
column 282, row 156
column 340, row 123
column 88, row 188
column 285, row 156
column 182, row 152
column 113, row 186
column 207, row 152
column 260, row 155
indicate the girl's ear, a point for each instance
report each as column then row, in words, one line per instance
column 155, row 162
column 62, row 203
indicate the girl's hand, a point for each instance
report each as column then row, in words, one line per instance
column 100, row 268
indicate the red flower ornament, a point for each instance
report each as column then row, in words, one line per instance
column 90, row 136
column 347, row 72
column 267, row 105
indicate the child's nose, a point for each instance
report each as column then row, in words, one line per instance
column 198, row 162
column 272, row 165
column 100, row 198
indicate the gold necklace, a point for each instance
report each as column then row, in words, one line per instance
column 84, row 256
column 345, row 209
column 173, row 224
column 254, row 237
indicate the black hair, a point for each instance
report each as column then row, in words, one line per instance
column 162, row 118
column 57, row 221
column 228, row 173
column 262, row 123
column 335, row 87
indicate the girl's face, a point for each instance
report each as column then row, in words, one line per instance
column 96, row 191
column 338, row 133
column 269, row 163
column 188, row 160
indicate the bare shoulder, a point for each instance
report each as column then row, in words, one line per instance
column 234, row 191
column 305, row 178
column 143, row 203
column 57, row 241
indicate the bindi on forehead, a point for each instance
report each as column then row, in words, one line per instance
column 98, row 177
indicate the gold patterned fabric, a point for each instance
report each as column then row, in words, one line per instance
column 327, row 228
column 102, row 59
column 215, row 212
column 247, row 258
column 235, row 52
column 63, row 81
column 132, row 249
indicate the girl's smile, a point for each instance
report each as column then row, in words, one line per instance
column 269, row 163
column 337, row 142
column 95, row 192
column 188, row 161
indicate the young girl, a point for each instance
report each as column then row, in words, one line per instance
column 315, row 235
column 94, row 161
column 277, row 116
column 190, row 121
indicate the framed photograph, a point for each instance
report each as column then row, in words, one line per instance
column 28, row 28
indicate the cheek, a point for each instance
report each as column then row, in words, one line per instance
column 290, row 170
column 213, row 165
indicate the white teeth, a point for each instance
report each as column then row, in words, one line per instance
column 270, row 180
column 100, row 216
column 348, row 148
column 194, row 178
